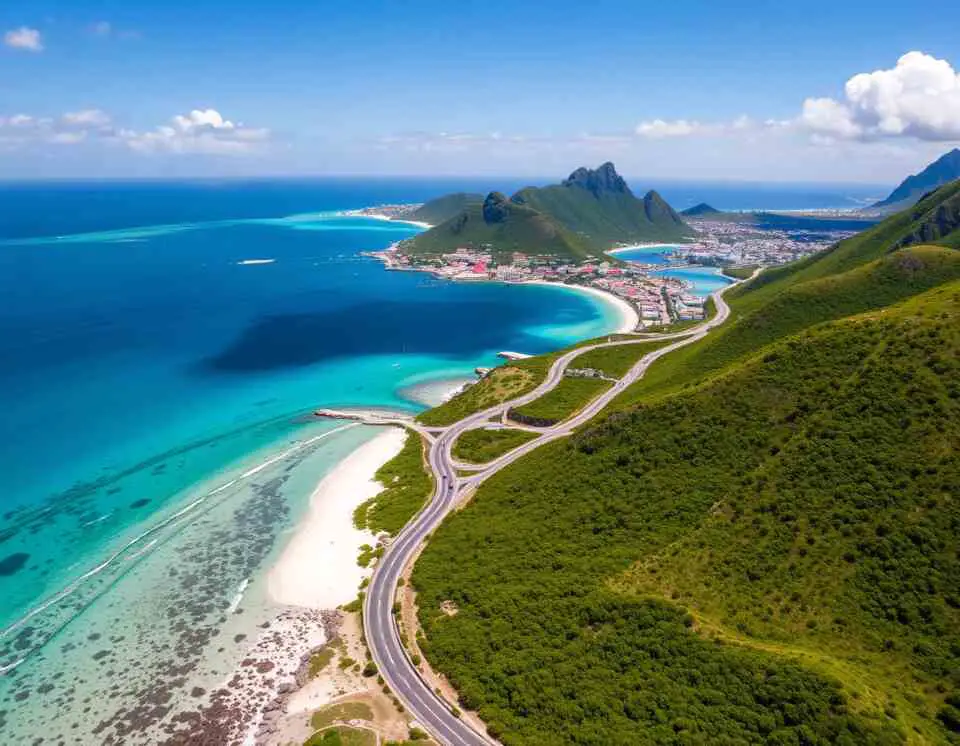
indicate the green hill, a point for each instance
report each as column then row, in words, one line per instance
column 438, row 210
column 503, row 226
column 862, row 273
column 936, row 219
column 589, row 212
column 942, row 171
column 599, row 206
column 760, row 543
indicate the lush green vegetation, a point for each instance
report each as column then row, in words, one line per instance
column 740, row 273
column 499, row 385
column 590, row 211
column 569, row 396
column 615, row 362
column 443, row 208
column 319, row 661
column 343, row 736
column 503, row 226
column 605, row 211
column 407, row 485
column 508, row 382
column 481, row 446
column 340, row 713
column 797, row 306
column 542, row 643
column 937, row 219
column 760, row 544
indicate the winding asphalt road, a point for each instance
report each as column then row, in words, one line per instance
column 379, row 623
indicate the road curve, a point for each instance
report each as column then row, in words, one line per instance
column 379, row 624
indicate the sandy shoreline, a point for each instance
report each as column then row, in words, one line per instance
column 270, row 692
column 318, row 568
column 388, row 218
column 629, row 318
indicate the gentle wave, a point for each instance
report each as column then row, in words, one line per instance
column 235, row 603
column 318, row 221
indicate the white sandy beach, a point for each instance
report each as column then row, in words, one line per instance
column 629, row 318
column 318, row 569
column 388, row 218
column 417, row 223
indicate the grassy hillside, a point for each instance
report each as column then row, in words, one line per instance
column 501, row 226
column 607, row 218
column 760, row 544
column 439, row 210
column 800, row 306
column 936, row 220
column 482, row 446
column 864, row 247
column 615, row 362
column 862, row 273
column 554, row 639
column 589, row 212
column 569, row 397
column 499, row 385
column 407, row 486
column 520, row 376
column 740, row 273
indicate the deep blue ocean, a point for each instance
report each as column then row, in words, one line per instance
column 156, row 389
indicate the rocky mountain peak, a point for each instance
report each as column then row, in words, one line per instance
column 598, row 180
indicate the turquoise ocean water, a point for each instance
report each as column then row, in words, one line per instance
column 157, row 441
column 702, row 280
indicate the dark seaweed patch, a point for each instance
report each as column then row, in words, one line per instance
column 12, row 563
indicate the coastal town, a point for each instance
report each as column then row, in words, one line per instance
column 659, row 294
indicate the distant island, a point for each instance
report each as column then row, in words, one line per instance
column 589, row 212
column 701, row 210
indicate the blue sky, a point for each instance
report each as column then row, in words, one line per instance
column 681, row 88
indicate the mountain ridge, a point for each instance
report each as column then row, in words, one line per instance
column 912, row 189
column 588, row 212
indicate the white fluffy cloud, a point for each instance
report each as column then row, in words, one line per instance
column 200, row 131
column 919, row 98
column 659, row 128
column 87, row 118
column 24, row 38
column 69, row 129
